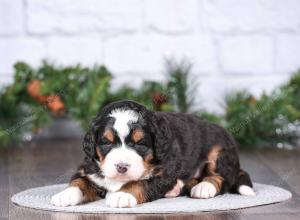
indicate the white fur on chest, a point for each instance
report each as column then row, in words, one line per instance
column 109, row 184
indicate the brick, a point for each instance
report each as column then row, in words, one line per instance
column 213, row 89
column 12, row 50
column 5, row 80
column 171, row 15
column 11, row 17
column 68, row 16
column 246, row 54
column 287, row 53
column 145, row 54
column 210, row 93
column 254, row 84
column 133, row 80
column 254, row 15
column 74, row 50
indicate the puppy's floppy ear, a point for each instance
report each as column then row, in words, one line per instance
column 89, row 143
column 161, row 137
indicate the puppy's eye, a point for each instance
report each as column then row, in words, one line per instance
column 108, row 136
column 141, row 142
column 106, row 141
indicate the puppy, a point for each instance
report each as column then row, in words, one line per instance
column 134, row 156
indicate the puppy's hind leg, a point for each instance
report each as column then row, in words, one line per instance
column 218, row 174
column 244, row 185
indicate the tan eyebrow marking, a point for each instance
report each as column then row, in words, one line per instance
column 109, row 135
column 137, row 135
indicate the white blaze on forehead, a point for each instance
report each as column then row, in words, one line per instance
column 123, row 118
column 123, row 154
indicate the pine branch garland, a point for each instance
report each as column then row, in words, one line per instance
column 38, row 95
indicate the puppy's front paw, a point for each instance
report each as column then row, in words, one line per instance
column 204, row 190
column 176, row 190
column 120, row 200
column 69, row 197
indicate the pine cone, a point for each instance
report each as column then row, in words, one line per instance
column 53, row 102
column 33, row 88
column 158, row 99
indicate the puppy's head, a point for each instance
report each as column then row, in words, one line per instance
column 120, row 141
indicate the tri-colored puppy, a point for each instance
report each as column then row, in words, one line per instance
column 134, row 156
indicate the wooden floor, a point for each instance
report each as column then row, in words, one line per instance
column 48, row 162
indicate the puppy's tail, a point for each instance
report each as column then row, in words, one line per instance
column 244, row 185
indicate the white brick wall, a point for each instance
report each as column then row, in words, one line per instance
column 11, row 17
column 253, row 44
column 246, row 54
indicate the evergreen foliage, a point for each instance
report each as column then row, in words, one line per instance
column 38, row 95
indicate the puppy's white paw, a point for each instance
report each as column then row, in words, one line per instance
column 176, row 190
column 246, row 190
column 120, row 200
column 69, row 197
column 204, row 190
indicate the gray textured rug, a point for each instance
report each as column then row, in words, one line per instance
column 39, row 198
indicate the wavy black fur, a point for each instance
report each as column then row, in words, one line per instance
column 179, row 143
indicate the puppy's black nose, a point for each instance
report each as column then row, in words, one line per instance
column 122, row 167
